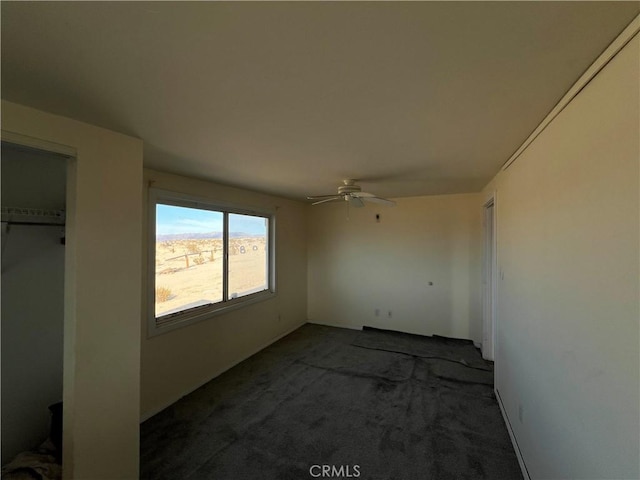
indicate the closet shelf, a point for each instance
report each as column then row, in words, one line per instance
column 32, row 216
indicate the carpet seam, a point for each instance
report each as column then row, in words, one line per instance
column 435, row 357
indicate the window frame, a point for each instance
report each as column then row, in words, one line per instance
column 204, row 312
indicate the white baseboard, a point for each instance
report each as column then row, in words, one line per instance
column 155, row 411
column 523, row 467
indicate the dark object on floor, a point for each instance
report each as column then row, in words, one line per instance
column 55, row 433
column 44, row 462
column 23, row 473
column 37, row 464
column 315, row 398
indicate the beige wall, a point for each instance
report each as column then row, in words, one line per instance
column 102, row 292
column 568, row 307
column 179, row 361
column 358, row 265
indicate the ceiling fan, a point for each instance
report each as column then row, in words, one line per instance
column 353, row 194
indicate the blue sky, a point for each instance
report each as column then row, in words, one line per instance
column 171, row 220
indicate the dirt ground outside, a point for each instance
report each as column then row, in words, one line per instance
column 189, row 272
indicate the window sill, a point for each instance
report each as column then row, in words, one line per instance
column 205, row 312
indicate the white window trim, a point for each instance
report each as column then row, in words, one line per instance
column 197, row 314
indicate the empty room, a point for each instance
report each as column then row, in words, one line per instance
column 300, row 240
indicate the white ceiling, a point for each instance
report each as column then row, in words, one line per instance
column 412, row 98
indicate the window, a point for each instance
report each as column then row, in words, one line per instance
column 205, row 258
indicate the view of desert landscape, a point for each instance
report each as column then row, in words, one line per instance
column 189, row 271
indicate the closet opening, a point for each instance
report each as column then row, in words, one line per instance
column 33, row 211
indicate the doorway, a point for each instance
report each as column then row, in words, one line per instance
column 489, row 280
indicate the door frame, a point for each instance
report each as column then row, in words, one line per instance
column 69, row 327
column 489, row 277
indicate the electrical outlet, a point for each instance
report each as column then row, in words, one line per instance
column 389, row 314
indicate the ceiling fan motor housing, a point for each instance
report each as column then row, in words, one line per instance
column 347, row 189
column 352, row 193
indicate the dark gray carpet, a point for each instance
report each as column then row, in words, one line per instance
column 328, row 396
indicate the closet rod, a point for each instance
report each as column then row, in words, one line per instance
column 37, row 224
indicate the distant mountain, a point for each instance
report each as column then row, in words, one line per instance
column 171, row 237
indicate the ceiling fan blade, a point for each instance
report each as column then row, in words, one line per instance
column 327, row 200
column 320, row 197
column 355, row 201
column 382, row 201
column 362, row 194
